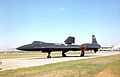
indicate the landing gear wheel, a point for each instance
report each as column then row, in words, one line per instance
column 64, row 55
column 48, row 56
column 95, row 50
column 82, row 53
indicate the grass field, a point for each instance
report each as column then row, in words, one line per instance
column 25, row 55
column 108, row 66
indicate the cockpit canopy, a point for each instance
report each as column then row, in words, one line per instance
column 37, row 42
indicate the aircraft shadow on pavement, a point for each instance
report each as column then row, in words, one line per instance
column 59, row 57
column 74, row 56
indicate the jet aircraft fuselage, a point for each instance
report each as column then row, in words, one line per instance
column 68, row 46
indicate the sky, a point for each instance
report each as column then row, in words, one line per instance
column 25, row 21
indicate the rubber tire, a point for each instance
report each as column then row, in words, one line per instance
column 48, row 56
column 82, row 55
column 64, row 55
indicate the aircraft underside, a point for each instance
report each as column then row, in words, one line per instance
column 64, row 50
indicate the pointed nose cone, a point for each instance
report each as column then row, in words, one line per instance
column 20, row 48
column 26, row 47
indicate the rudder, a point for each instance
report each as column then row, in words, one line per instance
column 94, row 39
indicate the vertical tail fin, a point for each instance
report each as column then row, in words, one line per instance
column 70, row 40
column 94, row 39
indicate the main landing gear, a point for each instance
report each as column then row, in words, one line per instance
column 63, row 53
column 49, row 54
column 82, row 53
column 95, row 50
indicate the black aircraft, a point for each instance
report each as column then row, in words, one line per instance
column 68, row 46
